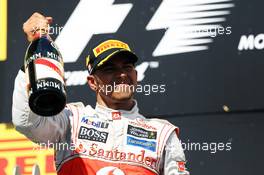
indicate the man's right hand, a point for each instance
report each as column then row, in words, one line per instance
column 35, row 23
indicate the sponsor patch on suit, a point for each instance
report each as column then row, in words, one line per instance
column 149, row 145
column 92, row 134
column 140, row 132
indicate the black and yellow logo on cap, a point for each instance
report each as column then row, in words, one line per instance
column 3, row 30
column 109, row 44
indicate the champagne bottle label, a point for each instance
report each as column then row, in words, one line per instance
column 48, row 68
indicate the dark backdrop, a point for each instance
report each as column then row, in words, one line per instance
column 198, row 83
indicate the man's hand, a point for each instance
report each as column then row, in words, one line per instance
column 36, row 22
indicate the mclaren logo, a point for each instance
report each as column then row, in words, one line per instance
column 3, row 29
column 110, row 170
column 190, row 24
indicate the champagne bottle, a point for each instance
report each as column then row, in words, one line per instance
column 45, row 77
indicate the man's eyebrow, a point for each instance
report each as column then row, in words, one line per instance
column 128, row 62
column 107, row 65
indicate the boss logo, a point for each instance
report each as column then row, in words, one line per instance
column 92, row 134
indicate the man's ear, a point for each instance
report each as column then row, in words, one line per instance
column 136, row 75
column 92, row 82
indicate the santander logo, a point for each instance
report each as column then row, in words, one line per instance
column 110, row 170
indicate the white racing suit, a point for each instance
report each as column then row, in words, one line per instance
column 101, row 141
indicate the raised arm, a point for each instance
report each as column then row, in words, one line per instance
column 37, row 128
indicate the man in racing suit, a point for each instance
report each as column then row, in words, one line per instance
column 113, row 138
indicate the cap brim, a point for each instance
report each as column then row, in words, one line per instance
column 122, row 52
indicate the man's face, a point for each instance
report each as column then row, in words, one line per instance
column 116, row 79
